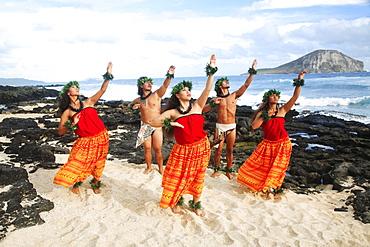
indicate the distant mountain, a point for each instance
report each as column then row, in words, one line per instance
column 319, row 61
column 20, row 82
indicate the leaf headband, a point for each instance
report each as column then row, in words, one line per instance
column 219, row 82
column 176, row 89
column 67, row 86
column 269, row 93
column 142, row 80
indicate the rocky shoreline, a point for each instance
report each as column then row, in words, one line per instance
column 326, row 151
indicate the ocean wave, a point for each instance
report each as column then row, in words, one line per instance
column 343, row 115
column 365, row 102
column 333, row 101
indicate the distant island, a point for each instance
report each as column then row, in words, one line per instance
column 319, row 61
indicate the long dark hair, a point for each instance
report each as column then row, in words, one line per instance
column 264, row 106
column 63, row 103
column 172, row 103
column 140, row 91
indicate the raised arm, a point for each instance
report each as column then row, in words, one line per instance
column 201, row 101
column 170, row 74
column 247, row 82
column 297, row 91
column 93, row 99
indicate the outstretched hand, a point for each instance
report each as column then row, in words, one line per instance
column 109, row 68
column 76, row 118
column 301, row 75
column 217, row 100
column 176, row 124
column 136, row 106
column 171, row 70
column 212, row 62
column 254, row 64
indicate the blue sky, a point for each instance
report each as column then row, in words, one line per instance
column 63, row 40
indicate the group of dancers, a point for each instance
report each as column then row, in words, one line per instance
column 181, row 118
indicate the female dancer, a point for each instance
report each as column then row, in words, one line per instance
column 265, row 169
column 186, row 166
column 89, row 152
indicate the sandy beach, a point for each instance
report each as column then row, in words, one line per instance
column 127, row 213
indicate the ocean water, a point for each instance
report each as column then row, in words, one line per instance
column 343, row 95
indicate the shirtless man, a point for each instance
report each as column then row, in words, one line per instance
column 149, row 104
column 225, row 104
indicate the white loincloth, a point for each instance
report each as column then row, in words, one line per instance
column 144, row 133
column 223, row 130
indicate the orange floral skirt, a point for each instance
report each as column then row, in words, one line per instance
column 185, row 171
column 267, row 165
column 87, row 157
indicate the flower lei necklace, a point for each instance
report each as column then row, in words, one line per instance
column 77, row 110
column 145, row 97
column 142, row 99
column 184, row 112
column 223, row 96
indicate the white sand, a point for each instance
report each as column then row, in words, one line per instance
column 127, row 213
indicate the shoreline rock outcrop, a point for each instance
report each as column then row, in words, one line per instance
column 20, row 205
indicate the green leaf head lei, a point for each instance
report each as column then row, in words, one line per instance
column 144, row 79
column 176, row 89
column 269, row 93
column 219, row 82
column 67, row 86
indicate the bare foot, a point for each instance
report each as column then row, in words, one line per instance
column 97, row 191
column 176, row 209
column 160, row 170
column 75, row 190
column 215, row 175
column 229, row 175
column 277, row 197
column 199, row 212
column 147, row 170
column 264, row 195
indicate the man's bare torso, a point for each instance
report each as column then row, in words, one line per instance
column 226, row 109
column 150, row 107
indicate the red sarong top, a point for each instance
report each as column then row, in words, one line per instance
column 273, row 129
column 193, row 129
column 89, row 124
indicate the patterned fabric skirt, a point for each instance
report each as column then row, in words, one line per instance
column 87, row 157
column 267, row 165
column 185, row 171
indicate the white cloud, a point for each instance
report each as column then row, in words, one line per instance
column 286, row 4
column 57, row 44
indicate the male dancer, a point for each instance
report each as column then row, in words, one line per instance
column 149, row 104
column 225, row 104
